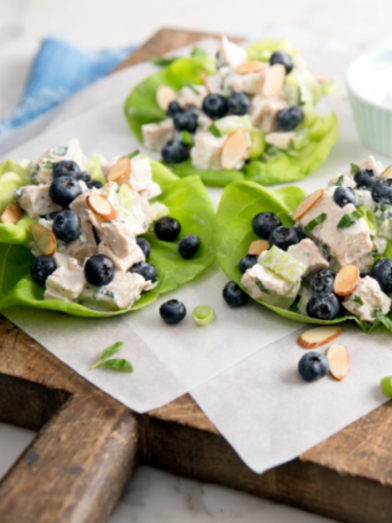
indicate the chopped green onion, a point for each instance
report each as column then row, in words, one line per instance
column 215, row 131
column 386, row 386
column 355, row 168
column 378, row 314
column 348, row 220
column 340, row 181
column 357, row 300
column 198, row 51
column 187, row 138
column 203, row 315
column 136, row 152
column 314, row 223
column 193, row 88
column 163, row 61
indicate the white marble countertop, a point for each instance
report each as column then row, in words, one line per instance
column 154, row 495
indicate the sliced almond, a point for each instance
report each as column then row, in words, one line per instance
column 309, row 203
column 204, row 79
column 387, row 173
column 346, row 280
column 12, row 213
column 101, row 207
column 339, row 361
column 44, row 239
column 234, row 150
column 250, row 67
column 165, row 96
column 319, row 336
column 258, row 246
column 274, row 80
column 121, row 169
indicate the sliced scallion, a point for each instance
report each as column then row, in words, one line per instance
column 203, row 315
column 348, row 220
column 314, row 223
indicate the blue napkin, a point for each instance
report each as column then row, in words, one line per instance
column 59, row 70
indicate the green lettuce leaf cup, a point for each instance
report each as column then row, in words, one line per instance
column 316, row 135
column 188, row 202
column 240, row 203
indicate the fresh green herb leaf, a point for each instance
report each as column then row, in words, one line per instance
column 348, row 220
column 163, row 61
column 187, row 138
column 119, row 365
column 357, row 300
column 354, row 168
column 198, row 51
column 378, row 314
column 314, row 223
column 107, row 353
column 261, row 286
column 215, row 131
column 136, row 152
column 340, row 181
column 370, row 218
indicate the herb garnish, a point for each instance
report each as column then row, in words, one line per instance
column 262, row 288
column 114, row 364
column 340, row 181
column 355, row 168
column 215, row 131
column 136, row 152
column 163, row 61
column 348, row 220
column 357, row 300
column 314, row 223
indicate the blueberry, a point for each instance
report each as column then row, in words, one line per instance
column 66, row 168
column 85, row 177
column 279, row 57
column 283, row 237
column 239, row 104
column 172, row 311
column 99, row 270
column 186, row 121
column 42, row 267
column 215, row 106
column 313, row 366
column 247, row 262
column 64, row 190
column 382, row 191
column 175, row 152
column 365, row 179
column 145, row 246
column 382, row 272
column 233, row 295
column 67, row 226
column 188, row 246
column 167, row 229
column 94, row 184
column 323, row 281
column 147, row 270
column 343, row 196
column 173, row 109
column 264, row 223
column 323, row 307
column 290, row 117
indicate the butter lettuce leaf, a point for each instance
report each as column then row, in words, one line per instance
column 187, row 200
column 239, row 204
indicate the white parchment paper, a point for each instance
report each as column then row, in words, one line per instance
column 242, row 368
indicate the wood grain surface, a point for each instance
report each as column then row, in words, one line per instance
column 88, row 444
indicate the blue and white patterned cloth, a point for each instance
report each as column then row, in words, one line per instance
column 59, row 70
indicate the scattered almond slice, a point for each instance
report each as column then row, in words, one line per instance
column 274, row 80
column 165, row 96
column 121, row 169
column 309, row 203
column 258, row 246
column 12, row 213
column 204, row 79
column 44, row 239
column 346, row 280
column 234, row 150
column 101, row 207
column 387, row 173
column 250, row 67
column 339, row 361
column 312, row 338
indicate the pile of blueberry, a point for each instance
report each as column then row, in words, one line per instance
column 216, row 106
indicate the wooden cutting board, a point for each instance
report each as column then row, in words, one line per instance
column 88, row 445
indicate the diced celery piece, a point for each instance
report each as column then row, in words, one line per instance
column 292, row 94
column 229, row 124
column 257, row 143
column 284, row 264
column 301, row 139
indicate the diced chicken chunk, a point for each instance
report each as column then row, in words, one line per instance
column 231, row 53
column 118, row 244
column 157, row 135
column 348, row 245
column 307, row 252
column 192, row 96
column 265, row 285
column 264, row 113
column 368, row 302
column 35, row 200
column 206, row 153
column 140, row 178
column 364, row 197
column 280, row 140
column 42, row 171
column 217, row 83
column 125, row 289
column 66, row 284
